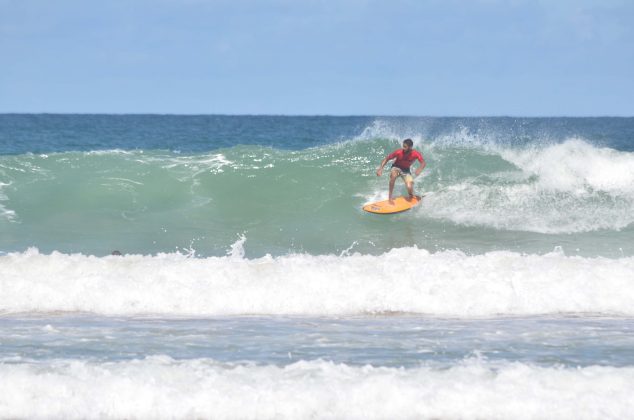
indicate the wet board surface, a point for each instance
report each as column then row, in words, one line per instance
column 400, row 204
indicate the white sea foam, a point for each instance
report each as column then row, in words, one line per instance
column 528, row 208
column 108, row 152
column 196, row 164
column 160, row 387
column 562, row 188
column 411, row 280
column 576, row 166
column 5, row 213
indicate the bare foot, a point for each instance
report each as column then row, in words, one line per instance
column 391, row 202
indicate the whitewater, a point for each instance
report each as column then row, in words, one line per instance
column 221, row 266
column 406, row 280
column 164, row 388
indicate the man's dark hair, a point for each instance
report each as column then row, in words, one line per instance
column 408, row 142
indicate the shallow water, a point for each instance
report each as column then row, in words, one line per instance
column 398, row 340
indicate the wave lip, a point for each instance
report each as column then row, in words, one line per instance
column 569, row 187
column 407, row 280
column 201, row 388
column 577, row 166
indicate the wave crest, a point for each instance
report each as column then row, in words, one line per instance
column 561, row 188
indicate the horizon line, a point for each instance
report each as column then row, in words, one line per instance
column 310, row 115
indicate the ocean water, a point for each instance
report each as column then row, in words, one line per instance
column 252, row 285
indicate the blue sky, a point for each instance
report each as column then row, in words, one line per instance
column 347, row 57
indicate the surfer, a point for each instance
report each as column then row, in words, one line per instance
column 401, row 167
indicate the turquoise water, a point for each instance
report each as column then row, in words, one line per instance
column 149, row 184
column 252, row 285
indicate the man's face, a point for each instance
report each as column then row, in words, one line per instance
column 406, row 148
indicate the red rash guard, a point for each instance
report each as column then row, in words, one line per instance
column 404, row 161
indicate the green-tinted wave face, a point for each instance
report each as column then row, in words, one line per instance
column 158, row 201
column 478, row 197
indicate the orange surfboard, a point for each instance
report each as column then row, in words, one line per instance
column 400, row 204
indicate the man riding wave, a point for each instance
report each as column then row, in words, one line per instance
column 401, row 167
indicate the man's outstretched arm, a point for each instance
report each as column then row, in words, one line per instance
column 421, row 167
column 379, row 171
